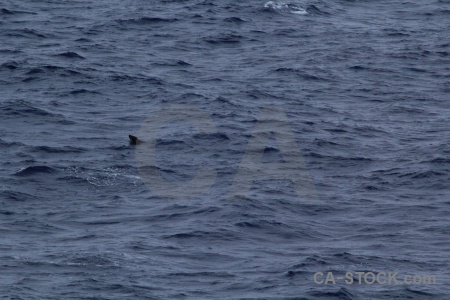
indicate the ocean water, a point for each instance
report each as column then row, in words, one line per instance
column 279, row 140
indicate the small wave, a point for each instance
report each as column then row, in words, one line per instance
column 165, row 142
column 224, row 39
column 212, row 136
column 16, row 196
column 34, row 71
column 261, row 224
column 11, row 65
column 67, row 149
column 6, row 212
column 234, row 20
column 84, row 40
column 10, row 51
column 146, row 21
column 358, row 68
column 440, row 160
column 53, row 68
column 183, row 63
column 427, row 174
column 35, row 170
column 70, row 55
column 416, row 70
column 10, row 144
column 26, row 33
column 314, row 10
column 5, row 11
column 298, row 73
column 197, row 234
column 285, row 7
column 178, row 63
column 22, row 108
column 29, row 79
column 226, row 101
column 128, row 78
column 38, row 72
column 83, row 91
column 342, row 293
column 91, row 260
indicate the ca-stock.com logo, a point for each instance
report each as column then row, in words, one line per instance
column 272, row 123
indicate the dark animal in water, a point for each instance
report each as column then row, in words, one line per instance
column 133, row 140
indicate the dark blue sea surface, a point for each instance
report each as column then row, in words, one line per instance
column 278, row 140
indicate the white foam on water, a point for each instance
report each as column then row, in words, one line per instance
column 286, row 7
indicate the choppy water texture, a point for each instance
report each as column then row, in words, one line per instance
column 364, row 86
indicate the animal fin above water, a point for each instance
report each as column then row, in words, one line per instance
column 133, row 140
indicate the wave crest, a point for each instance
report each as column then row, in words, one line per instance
column 285, row 7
